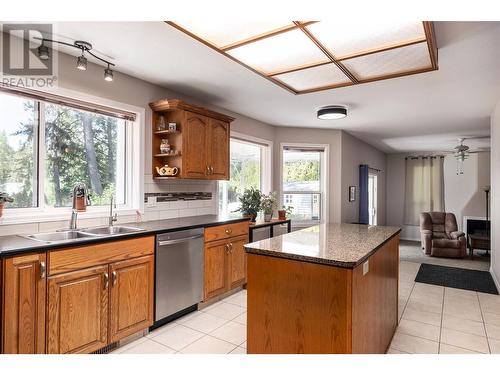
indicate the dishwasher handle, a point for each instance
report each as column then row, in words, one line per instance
column 180, row 240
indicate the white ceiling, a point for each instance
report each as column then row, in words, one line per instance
column 423, row 112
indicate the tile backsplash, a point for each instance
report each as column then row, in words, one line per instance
column 162, row 200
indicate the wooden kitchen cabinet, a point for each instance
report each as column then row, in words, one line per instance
column 108, row 298
column 200, row 143
column 24, row 301
column 78, row 311
column 225, row 258
column 132, row 288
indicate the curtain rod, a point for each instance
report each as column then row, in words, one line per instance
column 375, row 169
column 425, row 157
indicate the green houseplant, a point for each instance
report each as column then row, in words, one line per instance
column 4, row 197
column 286, row 211
column 269, row 203
column 250, row 202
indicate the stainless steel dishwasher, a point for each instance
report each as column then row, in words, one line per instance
column 179, row 273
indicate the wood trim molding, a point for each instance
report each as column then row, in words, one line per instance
column 430, row 39
column 173, row 104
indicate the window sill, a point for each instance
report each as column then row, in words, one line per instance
column 32, row 217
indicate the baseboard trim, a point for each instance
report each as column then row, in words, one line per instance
column 495, row 279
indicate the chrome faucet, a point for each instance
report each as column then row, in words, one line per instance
column 80, row 190
column 112, row 217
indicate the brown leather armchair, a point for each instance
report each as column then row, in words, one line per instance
column 440, row 235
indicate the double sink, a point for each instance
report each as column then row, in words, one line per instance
column 72, row 235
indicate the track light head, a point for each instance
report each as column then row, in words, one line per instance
column 81, row 62
column 43, row 52
column 108, row 74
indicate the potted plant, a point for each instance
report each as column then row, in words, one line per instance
column 4, row 197
column 285, row 212
column 268, row 204
column 250, row 202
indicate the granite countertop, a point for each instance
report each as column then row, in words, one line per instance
column 15, row 244
column 341, row 245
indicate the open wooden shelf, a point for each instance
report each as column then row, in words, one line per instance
column 165, row 178
column 166, row 155
column 166, row 132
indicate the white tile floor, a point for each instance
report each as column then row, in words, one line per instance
column 433, row 319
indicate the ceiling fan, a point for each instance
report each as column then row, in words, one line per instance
column 462, row 152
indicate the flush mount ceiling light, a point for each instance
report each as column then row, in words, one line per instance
column 332, row 112
column 81, row 61
column 309, row 56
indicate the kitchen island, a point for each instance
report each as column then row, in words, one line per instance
column 330, row 288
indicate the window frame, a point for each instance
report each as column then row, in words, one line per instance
column 324, row 182
column 134, row 174
column 266, row 168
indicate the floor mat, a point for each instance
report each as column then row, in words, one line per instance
column 478, row 281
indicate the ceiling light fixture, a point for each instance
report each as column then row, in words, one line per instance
column 332, row 112
column 108, row 74
column 81, row 62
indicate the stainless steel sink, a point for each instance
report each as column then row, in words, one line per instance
column 109, row 231
column 58, row 236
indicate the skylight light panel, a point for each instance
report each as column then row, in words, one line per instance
column 311, row 78
column 222, row 34
column 344, row 38
column 394, row 61
column 280, row 52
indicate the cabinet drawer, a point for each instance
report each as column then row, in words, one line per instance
column 77, row 258
column 226, row 231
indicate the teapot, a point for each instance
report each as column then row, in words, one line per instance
column 167, row 171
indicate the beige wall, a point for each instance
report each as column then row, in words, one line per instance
column 354, row 153
column 495, row 194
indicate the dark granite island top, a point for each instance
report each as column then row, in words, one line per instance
column 341, row 245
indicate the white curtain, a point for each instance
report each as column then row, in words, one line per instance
column 424, row 187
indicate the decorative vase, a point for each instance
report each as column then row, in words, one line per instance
column 281, row 214
column 252, row 216
column 268, row 216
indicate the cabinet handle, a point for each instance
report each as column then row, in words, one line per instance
column 231, row 247
column 226, row 246
column 43, row 270
column 114, row 277
column 211, row 170
column 106, row 280
column 228, row 231
column 207, row 172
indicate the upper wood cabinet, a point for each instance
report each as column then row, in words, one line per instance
column 200, row 143
column 24, row 293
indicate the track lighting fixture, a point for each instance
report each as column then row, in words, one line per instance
column 81, row 61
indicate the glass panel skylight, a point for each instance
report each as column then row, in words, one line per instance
column 344, row 38
column 319, row 76
column 230, row 31
column 393, row 61
column 288, row 50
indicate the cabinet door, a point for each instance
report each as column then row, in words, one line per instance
column 131, row 306
column 78, row 311
column 237, row 267
column 218, row 149
column 24, row 304
column 195, row 132
column 215, row 268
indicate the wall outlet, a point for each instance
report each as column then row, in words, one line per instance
column 151, row 202
column 366, row 267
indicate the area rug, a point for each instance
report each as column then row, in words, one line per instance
column 478, row 281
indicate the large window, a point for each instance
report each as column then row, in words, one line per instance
column 303, row 181
column 46, row 149
column 249, row 167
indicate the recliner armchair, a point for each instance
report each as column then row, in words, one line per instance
column 440, row 235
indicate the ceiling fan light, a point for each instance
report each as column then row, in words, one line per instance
column 333, row 112
column 108, row 75
column 81, row 63
column 43, row 52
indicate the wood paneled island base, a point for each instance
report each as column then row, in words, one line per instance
column 297, row 306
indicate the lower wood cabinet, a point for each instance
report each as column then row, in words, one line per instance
column 83, row 304
column 78, row 308
column 225, row 265
column 24, row 301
